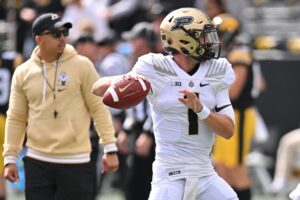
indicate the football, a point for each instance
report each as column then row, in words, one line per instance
column 126, row 92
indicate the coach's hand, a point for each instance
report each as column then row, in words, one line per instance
column 11, row 172
column 110, row 163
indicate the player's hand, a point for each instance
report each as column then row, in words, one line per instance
column 191, row 100
column 110, row 163
column 11, row 172
column 134, row 76
column 101, row 85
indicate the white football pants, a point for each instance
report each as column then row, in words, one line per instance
column 211, row 187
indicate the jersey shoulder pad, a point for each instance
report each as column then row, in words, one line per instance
column 221, row 71
column 160, row 63
column 216, row 68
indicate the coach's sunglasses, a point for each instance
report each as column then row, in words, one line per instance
column 57, row 33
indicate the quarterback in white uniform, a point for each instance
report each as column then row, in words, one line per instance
column 190, row 103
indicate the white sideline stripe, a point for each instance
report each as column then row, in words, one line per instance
column 113, row 94
column 143, row 84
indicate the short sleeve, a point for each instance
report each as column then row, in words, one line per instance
column 224, row 104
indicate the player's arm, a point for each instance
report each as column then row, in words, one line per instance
column 101, row 85
column 222, row 119
column 220, row 123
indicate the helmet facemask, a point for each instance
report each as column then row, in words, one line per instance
column 207, row 42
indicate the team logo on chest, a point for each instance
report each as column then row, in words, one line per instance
column 191, row 84
column 63, row 79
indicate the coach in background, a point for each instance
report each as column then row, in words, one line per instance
column 50, row 105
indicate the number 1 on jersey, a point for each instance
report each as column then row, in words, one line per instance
column 193, row 120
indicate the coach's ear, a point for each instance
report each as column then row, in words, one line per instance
column 37, row 39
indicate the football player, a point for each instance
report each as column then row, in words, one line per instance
column 190, row 104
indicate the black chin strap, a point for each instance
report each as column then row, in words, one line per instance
column 209, row 54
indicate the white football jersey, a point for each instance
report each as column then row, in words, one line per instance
column 183, row 142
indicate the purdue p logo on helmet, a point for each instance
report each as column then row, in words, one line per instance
column 191, row 32
column 181, row 21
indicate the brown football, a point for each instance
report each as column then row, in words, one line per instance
column 126, row 93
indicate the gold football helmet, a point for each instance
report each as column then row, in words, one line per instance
column 228, row 28
column 191, row 32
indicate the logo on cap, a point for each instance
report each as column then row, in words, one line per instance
column 54, row 16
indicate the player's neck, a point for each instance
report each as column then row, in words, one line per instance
column 185, row 62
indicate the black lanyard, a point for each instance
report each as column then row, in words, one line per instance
column 53, row 88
